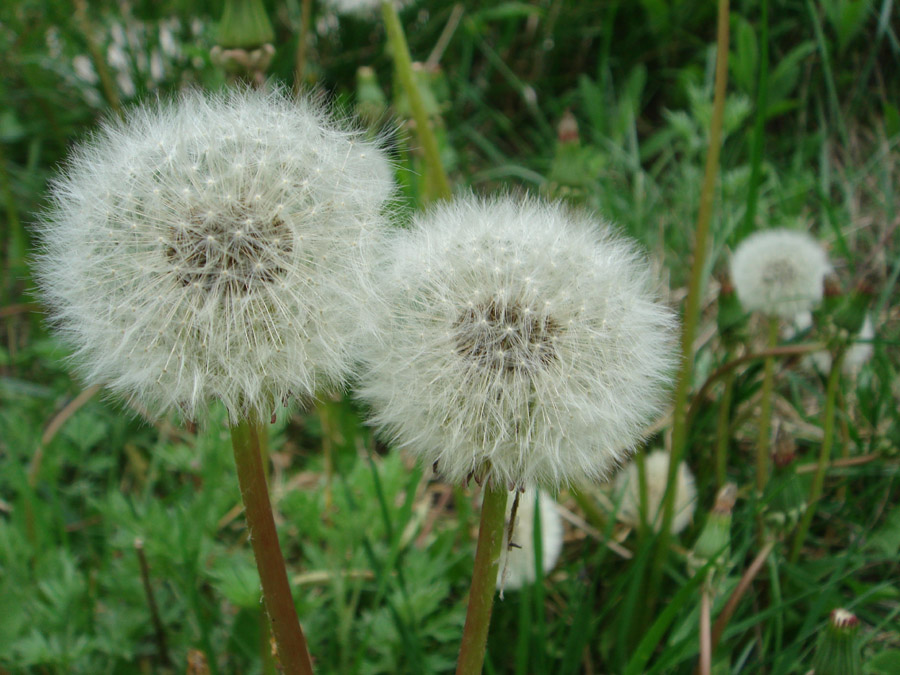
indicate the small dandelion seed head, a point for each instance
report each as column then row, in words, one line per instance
column 779, row 272
column 656, row 466
column 211, row 269
column 482, row 360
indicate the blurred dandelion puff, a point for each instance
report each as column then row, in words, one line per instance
column 779, row 272
column 656, row 467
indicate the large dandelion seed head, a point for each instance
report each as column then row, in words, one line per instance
column 779, row 272
column 214, row 247
column 519, row 336
column 656, row 468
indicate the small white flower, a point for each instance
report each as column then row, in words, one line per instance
column 779, row 272
column 656, row 467
column 518, row 336
column 214, row 248
column 517, row 563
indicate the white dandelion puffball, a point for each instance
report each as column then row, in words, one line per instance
column 520, row 336
column 362, row 8
column 656, row 467
column 779, row 272
column 214, row 247
column 517, row 563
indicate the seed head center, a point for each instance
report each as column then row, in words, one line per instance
column 506, row 336
column 228, row 252
column 779, row 271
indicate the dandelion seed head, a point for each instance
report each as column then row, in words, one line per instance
column 656, row 466
column 215, row 247
column 545, row 355
column 779, row 272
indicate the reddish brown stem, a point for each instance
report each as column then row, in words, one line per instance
column 292, row 650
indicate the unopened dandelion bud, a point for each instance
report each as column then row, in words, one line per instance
column 245, row 25
column 838, row 649
column 656, row 468
column 786, row 492
column 567, row 129
column 371, row 103
column 714, row 542
column 779, row 272
column 518, row 336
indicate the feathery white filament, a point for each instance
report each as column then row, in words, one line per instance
column 518, row 335
column 214, row 247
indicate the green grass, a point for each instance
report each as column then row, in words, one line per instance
column 380, row 556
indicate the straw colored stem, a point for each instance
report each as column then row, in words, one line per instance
column 692, row 303
column 484, row 581
column 765, row 412
column 292, row 650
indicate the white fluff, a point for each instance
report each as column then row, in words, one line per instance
column 517, row 564
column 656, row 467
column 521, row 336
column 779, row 272
column 215, row 247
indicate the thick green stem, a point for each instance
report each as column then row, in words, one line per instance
column 692, row 303
column 436, row 180
column 765, row 412
column 292, row 649
column 484, row 580
column 815, row 492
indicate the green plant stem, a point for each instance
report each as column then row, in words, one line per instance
column 765, row 411
column 722, row 430
column 692, row 304
column 759, row 123
column 815, row 492
column 484, row 580
column 302, row 41
column 292, row 649
column 437, row 183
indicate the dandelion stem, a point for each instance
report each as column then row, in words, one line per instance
column 484, row 580
column 292, row 649
column 437, row 183
column 722, row 430
column 815, row 491
column 110, row 93
column 692, row 303
column 705, row 638
column 302, row 41
column 765, row 412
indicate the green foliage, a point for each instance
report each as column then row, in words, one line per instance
column 379, row 553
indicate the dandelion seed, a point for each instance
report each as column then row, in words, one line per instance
column 486, row 362
column 209, row 272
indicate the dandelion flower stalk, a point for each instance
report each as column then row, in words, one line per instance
column 815, row 493
column 692, row 303
column 292, row 649
column 484, row 579
column 765, row 410
column 438, row 185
